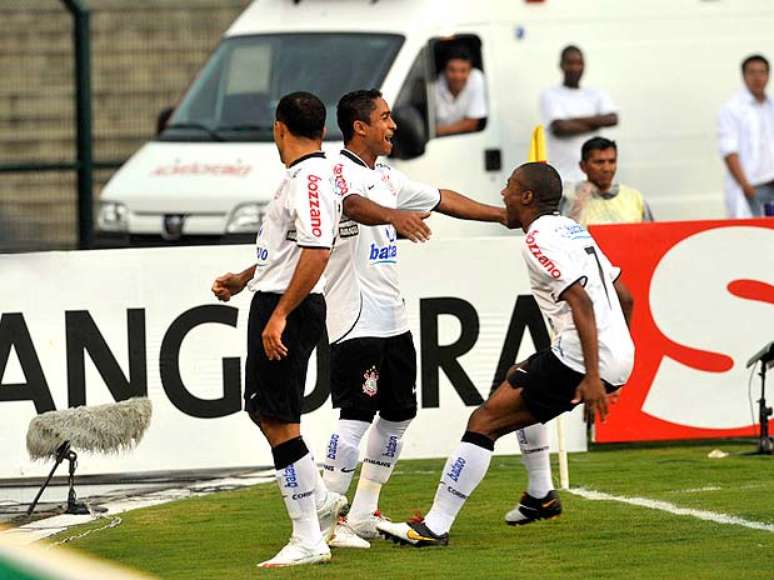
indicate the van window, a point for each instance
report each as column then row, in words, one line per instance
column 235, row 95
column 459, row 86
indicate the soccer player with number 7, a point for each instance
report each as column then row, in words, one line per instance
column 592, row 354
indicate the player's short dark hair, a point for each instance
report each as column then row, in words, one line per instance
column 567, row 50
column 544, row 182
column 596, row 144
column 303, row 113
column 754, row 58
column 355, row 106
column 457, row 52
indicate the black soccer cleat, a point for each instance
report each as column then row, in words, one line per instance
column 531, row 509
column 414, row 533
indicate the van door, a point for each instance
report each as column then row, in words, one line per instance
column 468, row 159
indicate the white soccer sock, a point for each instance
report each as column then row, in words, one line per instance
column 463, row 471
column 320, row 489
column 533, row 441
column 342, row 454
column 385, row 442
column 297, row 484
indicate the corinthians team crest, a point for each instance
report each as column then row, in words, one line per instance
column 370, row 386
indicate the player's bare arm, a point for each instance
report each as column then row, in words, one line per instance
column 459, row 206
column 310, row 267
column 626, row 300
column 581, row 125
column 409, row 224
column 590, row 391
column 229, row 284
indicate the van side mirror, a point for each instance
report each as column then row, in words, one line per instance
column 163, row 119
column 410, row 139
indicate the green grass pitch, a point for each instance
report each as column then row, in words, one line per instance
column 225, row 534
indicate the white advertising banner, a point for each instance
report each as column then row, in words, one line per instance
column 94, row 327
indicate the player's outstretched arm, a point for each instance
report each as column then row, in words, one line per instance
column 590, row 391
column 409, row 224
column 459, row 206
column 228, row 284
column 626, row 299
column 310, row 267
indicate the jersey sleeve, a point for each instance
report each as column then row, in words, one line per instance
column 314, row 207
column 413, row 195
column 550, row 263
column 728, row 132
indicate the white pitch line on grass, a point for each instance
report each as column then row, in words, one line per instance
column 665, row 506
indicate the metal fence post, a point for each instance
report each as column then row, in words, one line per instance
column 82, row 48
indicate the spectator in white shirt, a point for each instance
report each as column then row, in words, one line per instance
column 460, row 94
column 572, row 115
column 746, row 142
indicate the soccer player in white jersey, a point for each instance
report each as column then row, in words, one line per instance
column 373, row 360
column 592, row 354
column 287, row 320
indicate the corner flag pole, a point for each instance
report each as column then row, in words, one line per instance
column 537, row 153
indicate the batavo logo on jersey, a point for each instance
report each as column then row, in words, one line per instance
column 703, row 304
column 542, row 259
column 385, row 254
column 314, row 204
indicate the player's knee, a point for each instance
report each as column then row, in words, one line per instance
column 480, row 421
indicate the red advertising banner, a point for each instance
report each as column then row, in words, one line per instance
column 704, row 304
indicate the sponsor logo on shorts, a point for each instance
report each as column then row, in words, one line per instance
column 314, row 204
column 456, row 469
column 542, row 259
column 371, row 384
column 289, row 475
column 333, row 445
column 392, row 447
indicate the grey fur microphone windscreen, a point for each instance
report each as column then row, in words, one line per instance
column 106, row 428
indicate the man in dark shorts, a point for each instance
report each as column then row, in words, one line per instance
column 287, row 320
column 592, row 353
column 373, row 360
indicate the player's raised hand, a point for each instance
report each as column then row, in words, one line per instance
column 227, row 285
column 592, row 393
column 411, row 225
column 272, row 338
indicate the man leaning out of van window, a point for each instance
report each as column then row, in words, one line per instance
column 460, row 94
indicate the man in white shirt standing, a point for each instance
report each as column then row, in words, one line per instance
column 460, row 94
column 591, row 356
column 373, row 359
column 746, row 142
column 572, row 114
column 287, row 320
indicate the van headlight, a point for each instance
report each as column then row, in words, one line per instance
column 245, row 219
column 112, row 217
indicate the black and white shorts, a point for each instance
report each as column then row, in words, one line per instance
column 375, row 374
column 548, row 385
column 276, row 388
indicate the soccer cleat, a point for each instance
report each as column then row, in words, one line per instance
column 531, row 509
column 366, row 527
column 415, row 533
column 345, row 537
column 328, row 513
column 297, row 554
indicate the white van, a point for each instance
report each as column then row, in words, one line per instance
column 668, row 65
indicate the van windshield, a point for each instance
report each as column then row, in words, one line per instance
column 234, row 96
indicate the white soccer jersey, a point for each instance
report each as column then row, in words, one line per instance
column 558, row 253
column 304, row 213
column 363, row 294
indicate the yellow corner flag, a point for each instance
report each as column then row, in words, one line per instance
column 537, row 146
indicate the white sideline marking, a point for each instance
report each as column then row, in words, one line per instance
column 718, row 518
